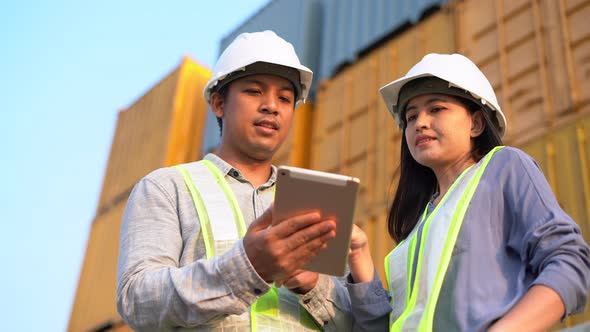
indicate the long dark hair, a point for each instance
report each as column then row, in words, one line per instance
column 417, row 183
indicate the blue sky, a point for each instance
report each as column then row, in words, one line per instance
column 66, row 69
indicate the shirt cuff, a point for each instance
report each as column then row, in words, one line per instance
column 240, row 276
column 314, row 300
column 369, row 292
column 371, row 304
column 559, row 283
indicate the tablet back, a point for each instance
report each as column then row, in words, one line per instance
column 301, row 190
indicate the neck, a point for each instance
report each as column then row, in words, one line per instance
column 254, row 170
column 446, row 175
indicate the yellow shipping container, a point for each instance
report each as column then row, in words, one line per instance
column 563, row 153
column 295, row 149
column 536, row 54
column 163, row 128
column 95, row 304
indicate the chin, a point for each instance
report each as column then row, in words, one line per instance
column 263, row 154
column 426, row 160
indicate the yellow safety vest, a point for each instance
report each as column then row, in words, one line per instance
column 215, row 201
column 416, row 267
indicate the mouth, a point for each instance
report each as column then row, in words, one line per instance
column 423, row 139
column 268, row 124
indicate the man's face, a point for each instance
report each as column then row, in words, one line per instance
column 257, row 114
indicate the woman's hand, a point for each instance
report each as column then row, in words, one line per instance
column 360, row 261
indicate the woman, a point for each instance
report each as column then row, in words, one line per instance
column 482, row 241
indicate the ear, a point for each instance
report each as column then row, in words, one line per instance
column 217, row 104
column 477, row 124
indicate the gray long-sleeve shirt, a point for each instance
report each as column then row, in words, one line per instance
column 164, row 281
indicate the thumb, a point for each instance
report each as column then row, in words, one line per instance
column 262, row 222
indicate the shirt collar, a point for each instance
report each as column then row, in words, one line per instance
column 235, row 173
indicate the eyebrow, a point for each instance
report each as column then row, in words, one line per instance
column 288, row 86
column 429, row 101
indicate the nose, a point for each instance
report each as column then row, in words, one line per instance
column 270, row 103
column 422, row 120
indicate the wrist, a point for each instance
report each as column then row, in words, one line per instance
column 361, row 252
column 361, row 264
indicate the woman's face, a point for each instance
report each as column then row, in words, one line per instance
column 439, row 131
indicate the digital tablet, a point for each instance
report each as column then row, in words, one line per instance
column 300, row 190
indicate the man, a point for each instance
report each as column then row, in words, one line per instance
column 197, row 247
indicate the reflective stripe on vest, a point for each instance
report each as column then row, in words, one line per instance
column 426, row 254
column 214, row 200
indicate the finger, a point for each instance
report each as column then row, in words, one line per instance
column 292, row 260
column 263, row 221
column 286, row 227
column 324, row 231
column 303, row 253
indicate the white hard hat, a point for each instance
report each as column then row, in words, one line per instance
column 270, row 53
column 463, row 78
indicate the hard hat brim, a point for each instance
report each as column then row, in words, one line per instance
column 302, row 84
column 391, row 95
column 264, row 68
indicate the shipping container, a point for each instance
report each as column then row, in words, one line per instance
column 536, row 55
column 563, row 154
column 162, row 128
column 350, row 27
column 295, row 149
column 95, row 301
column 574, row 16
